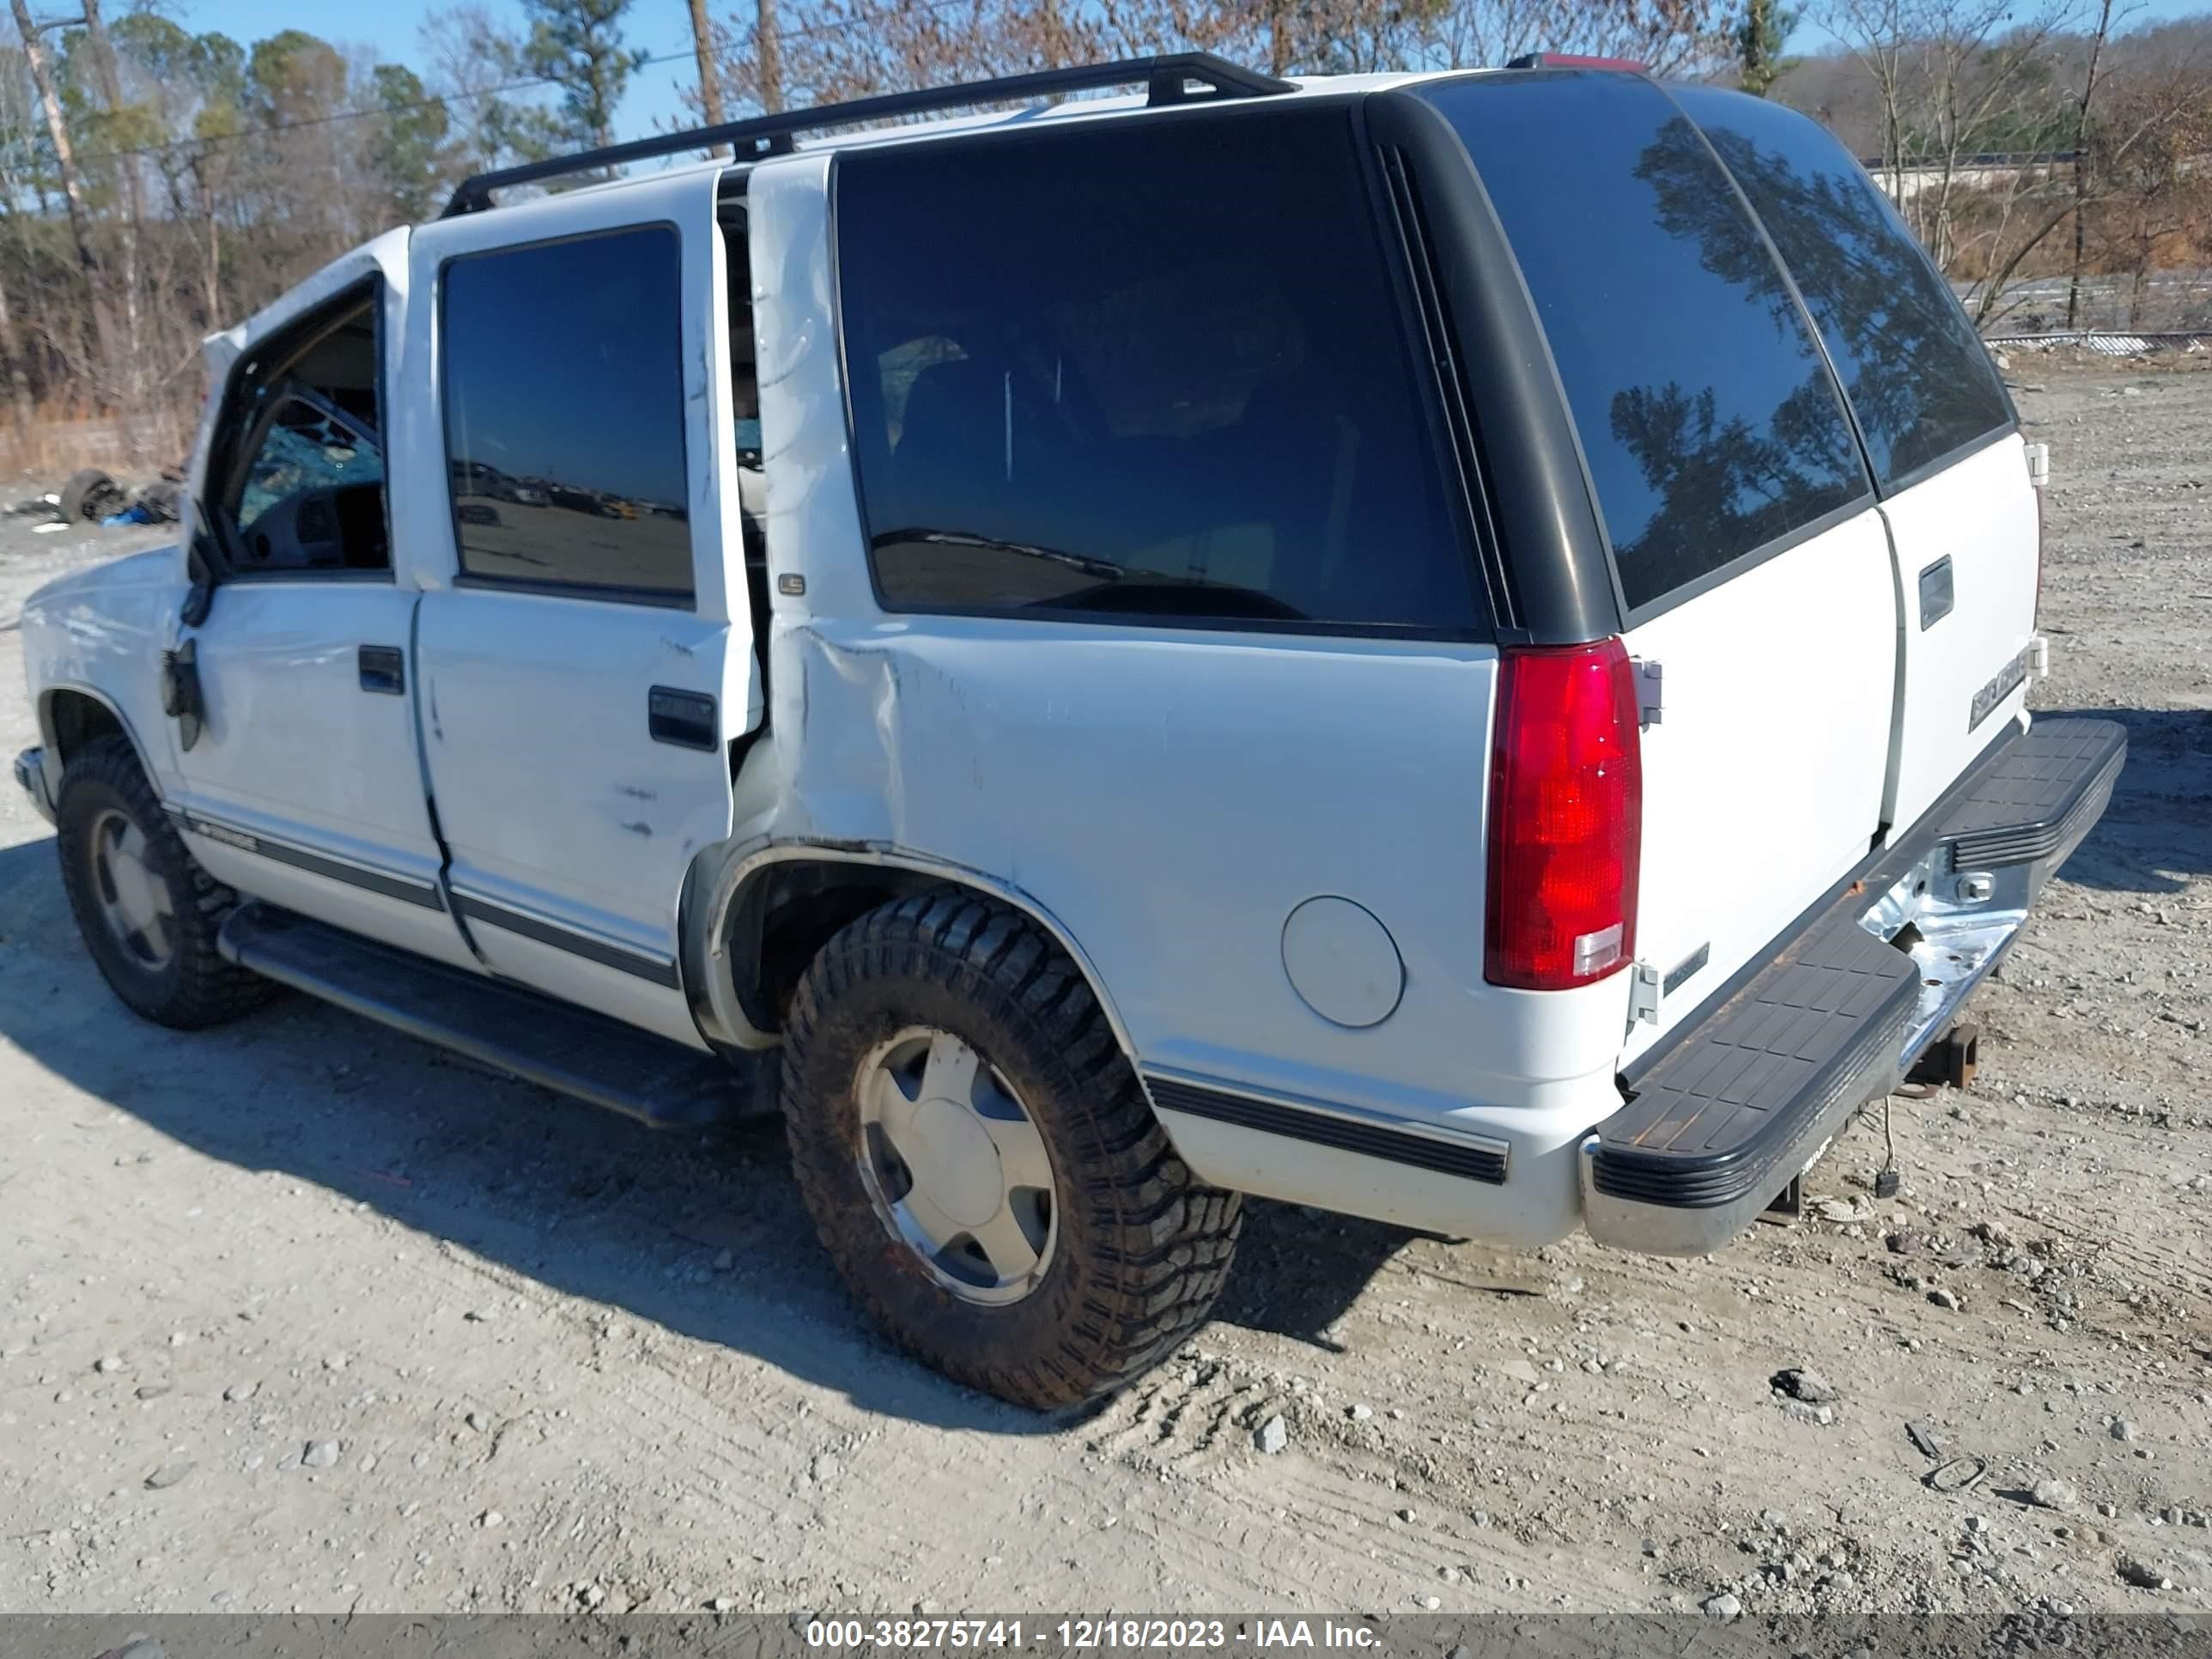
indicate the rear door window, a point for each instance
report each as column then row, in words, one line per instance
column 1711, row 427
column 1141, row 369
column 1918, row 378
column 563, row 385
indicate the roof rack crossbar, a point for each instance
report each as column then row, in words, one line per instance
column 1167, row 80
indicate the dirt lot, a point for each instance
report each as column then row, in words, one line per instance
column 535, row 1359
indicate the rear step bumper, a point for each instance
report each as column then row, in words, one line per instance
column 1729, row 1110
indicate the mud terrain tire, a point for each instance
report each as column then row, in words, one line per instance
column 176, row 979
column 1141, row 1248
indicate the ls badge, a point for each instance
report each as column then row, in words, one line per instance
column 2007, row 681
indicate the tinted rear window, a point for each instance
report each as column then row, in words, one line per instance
column 1918, row 378
column 1711, row 424
column 564, row 414
column 1141, row 369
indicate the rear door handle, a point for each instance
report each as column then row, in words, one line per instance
column 1937, row 592
column 384, row 669
column 685, row 719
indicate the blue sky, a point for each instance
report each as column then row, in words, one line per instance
column 659, row 27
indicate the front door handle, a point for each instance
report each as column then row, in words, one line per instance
column 685, row 719
column 384, row 669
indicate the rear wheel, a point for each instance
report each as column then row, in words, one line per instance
column 147, row 913
column 981, row 1163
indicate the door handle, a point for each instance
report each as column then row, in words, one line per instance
column 384, row 669
column 685, row 719
column 1937, row 592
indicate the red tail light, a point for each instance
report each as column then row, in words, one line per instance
column 1566, row 817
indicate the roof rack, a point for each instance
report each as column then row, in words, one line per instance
column 1168, row 80
column 1576, row 60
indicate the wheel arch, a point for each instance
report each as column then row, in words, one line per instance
column 773, row 908
column 71, row 715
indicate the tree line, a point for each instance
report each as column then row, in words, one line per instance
column 156, row 183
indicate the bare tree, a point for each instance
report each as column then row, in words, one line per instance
column 2141, row 157
column 832, row 50
column 155, row 183
column 768, row 55
column 40, row 64
column 132, row 377
column 19, row 378
column 2148, row 153
column 1954, row 80
column 2083, row 171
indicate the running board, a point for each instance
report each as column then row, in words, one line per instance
column 561, row 1047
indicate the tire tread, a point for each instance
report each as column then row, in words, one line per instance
column 208, row 990
column 1168, row 1241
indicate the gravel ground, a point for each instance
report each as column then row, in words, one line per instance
column 299, row 1315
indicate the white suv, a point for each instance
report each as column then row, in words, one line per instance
column 1451, row 649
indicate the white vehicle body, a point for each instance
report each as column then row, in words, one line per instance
column 1263, row 848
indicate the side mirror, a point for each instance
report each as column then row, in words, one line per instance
column 181, row 691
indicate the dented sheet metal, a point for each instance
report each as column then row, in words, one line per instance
column 1164, row 798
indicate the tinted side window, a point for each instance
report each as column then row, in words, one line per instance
column 1148, row 368
column 1918, row 376
column 1711, row 423
column 564, row 413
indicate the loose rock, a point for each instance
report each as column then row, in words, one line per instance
column 169, row 1475
column 2142, row 1574
column 319, row 1454
column 1273, row 1437
column 1806, row 1385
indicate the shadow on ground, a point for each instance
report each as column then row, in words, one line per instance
column 2157, row 834
column 586, row 1204
column 591, row 1205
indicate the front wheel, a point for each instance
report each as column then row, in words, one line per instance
column 981, row 1163
column 148, row 914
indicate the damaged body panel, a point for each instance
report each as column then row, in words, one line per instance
column 950, row 634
